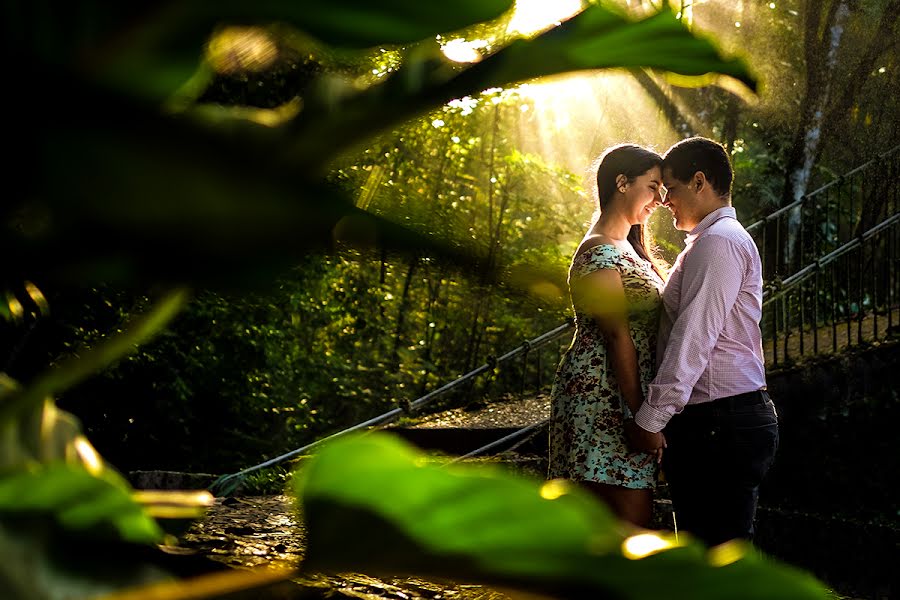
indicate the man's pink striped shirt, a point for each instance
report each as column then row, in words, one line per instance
column 710, row 345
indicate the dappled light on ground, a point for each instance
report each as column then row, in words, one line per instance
column 266, row 532
column 495, row 413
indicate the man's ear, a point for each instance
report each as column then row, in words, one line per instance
column 699, row 181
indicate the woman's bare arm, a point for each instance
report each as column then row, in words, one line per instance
column 600, row 295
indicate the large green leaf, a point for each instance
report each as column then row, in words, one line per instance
column 596, row 38
column 27, row 407
column 94, row 504
column 66, row 532
column 372, row 503
column 152, row 48
column 362, row 23
column 134, row 194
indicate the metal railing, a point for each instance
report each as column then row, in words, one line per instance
column 797, row 235
column 849, row 297
column 523, row 354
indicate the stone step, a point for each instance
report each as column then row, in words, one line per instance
column 462, row 440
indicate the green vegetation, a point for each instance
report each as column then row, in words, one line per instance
column 354, row 217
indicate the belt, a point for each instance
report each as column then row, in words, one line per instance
column 730, row 403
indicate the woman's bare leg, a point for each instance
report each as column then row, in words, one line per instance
column 632, row 505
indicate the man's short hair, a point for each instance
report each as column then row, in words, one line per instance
column 700, row 154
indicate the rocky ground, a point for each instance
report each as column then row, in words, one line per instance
column 266, row 532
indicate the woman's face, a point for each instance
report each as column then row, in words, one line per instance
column 643, row 195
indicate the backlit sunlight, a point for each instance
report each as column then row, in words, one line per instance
column 645, row 544
column 89, row 457
column 555, row 488
column 570, row 119
column 236, row 49
column 533, row 16
column 463, row 51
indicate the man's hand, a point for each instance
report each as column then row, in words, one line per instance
column 641, row 440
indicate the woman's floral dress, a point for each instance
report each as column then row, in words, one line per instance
column 587, row 411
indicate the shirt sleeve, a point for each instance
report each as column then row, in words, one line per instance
column 713, row 273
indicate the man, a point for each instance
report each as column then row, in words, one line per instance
column 721, row 430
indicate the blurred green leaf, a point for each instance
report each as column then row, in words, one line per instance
column 136, row 193
column 40, row 433
column 599, row 38
column 78, row 500
column 372, row 503
column 12, row 308
column 6, row 302
column 362, row 24
column 152, row 49
column 596, row 38
column 17, row 400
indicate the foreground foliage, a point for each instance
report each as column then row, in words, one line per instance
column 133, row 181
column 374, row 503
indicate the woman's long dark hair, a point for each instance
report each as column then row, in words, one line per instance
column 631, row 161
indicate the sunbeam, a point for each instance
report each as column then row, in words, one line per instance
column 570, row 119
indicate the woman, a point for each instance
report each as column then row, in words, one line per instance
column 601, row 381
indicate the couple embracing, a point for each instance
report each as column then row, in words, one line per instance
column 666, row 366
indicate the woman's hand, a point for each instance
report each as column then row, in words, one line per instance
column 641, row 440
column 659, row 451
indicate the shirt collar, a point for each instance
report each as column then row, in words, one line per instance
column 720, row 213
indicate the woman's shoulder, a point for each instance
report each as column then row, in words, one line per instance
column 597, row 244
column 596, row 252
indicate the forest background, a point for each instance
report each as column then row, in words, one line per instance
column 349, row 333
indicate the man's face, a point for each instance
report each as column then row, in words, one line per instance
column 681, row 201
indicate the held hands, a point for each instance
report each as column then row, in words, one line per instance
column 641, row 440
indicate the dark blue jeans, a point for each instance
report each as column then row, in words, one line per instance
column 717, row 455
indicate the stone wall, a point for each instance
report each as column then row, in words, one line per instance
column 829, row 503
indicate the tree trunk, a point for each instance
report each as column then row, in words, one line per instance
column 821, row 43
column 403, row 308
column 820, row 74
